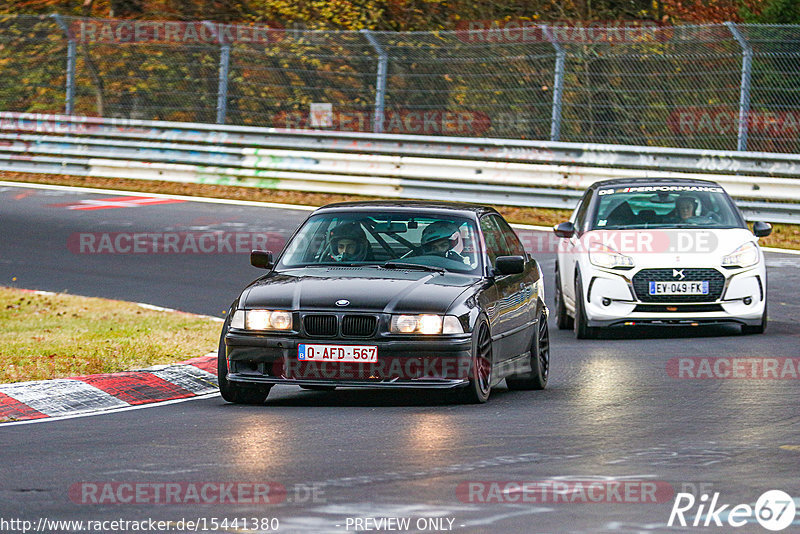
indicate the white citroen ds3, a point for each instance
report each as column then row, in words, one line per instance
column 659, row 252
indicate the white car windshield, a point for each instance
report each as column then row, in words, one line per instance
column 664, row 207
column 391, row 240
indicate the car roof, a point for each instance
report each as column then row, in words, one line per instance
column 431, row 206
column 652, row 181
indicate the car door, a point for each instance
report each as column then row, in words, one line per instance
column 522, row 287
column 505, row 314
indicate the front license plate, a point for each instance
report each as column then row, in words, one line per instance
column 679, row 288
column 337, row 353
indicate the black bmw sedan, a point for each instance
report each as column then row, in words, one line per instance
column 390, row 295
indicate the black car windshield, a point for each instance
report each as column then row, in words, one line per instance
column 667, row 206
column 387, row 239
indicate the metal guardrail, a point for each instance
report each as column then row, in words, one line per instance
column 511, row 172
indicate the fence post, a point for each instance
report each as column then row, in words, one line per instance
column 558, row 84
column 224, row 68
column 380, row 82
column 71, row 54
column 744, row 93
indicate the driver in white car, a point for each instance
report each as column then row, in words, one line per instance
column 686, row 207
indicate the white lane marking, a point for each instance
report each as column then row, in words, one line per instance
column 61, row 396
column 209, row 200
column 162, row 309
column 781, row 250
column 531, row 227
column 104, row 412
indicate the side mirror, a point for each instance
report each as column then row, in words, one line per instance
column 261, row 259
column 762, row 229
column 509, row 264
column 564, row 229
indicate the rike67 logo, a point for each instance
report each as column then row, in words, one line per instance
column 774, row 510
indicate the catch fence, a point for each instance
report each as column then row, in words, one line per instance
column 721, row 86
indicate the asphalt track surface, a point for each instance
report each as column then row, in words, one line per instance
column 611, row 411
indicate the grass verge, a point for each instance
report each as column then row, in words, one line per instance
column 55, row 335
column 783, row 235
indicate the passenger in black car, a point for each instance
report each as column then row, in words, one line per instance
column 440, row 239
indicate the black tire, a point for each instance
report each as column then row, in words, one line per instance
column 235, row 393
column 756, row 329
column 319, row 388
column 479, row 388
column 581, row 325
column 563, row 320
column 540, row 361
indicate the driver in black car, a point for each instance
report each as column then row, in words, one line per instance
column 440, row 239
column 349, row 243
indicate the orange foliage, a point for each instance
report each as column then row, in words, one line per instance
column 707, row 11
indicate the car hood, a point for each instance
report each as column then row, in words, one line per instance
column 674, row 247
column 366, row 289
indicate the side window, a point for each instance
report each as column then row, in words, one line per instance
column 513, row 244
column 493, row 237
column 580, row 215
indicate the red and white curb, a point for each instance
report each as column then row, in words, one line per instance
column 81, row 395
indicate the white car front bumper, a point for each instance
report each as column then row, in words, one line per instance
column 617, row 298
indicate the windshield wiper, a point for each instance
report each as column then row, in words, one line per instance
column 419, row 266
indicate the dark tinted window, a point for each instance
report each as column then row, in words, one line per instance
column 513, row 244
column 493, row 237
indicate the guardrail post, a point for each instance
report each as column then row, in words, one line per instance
column 71, row 55
column 224, row 69
column 744, row 92
column 380, row 82
column 558, row 84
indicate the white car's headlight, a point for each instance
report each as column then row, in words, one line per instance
column 744, row 256
column 605, row 256
column 261, row 320
column 425, row 324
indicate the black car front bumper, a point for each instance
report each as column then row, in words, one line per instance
column 438, row 362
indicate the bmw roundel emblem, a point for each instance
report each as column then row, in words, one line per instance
column 342, row 302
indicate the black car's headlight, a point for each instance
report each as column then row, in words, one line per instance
column 262, row 320
column 425, row 324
